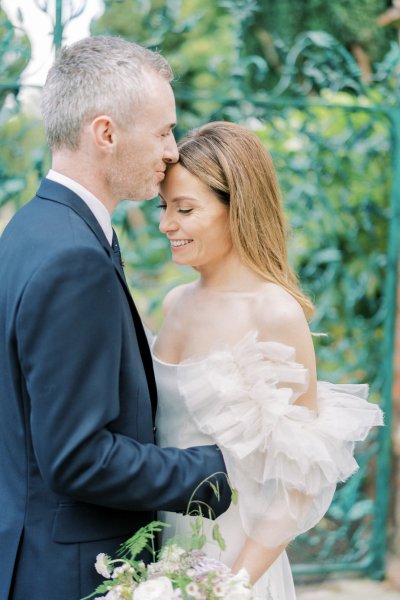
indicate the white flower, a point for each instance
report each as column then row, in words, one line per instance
column 102, row 565
column 125, row 568
column 193, row 590
column 161, row 568
column 239, row 586
column 113, row 595
column 241, row 576
column 172, row 553
column 239, row 591
column 154, row 589
column 219, row 590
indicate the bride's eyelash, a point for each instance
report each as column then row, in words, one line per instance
column 184, row 211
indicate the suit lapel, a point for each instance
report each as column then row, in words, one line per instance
column 51, row 190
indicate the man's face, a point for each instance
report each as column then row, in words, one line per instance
column 145, row 148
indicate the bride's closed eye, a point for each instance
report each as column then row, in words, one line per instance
column 183, row 211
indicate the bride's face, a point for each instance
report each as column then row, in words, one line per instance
column 194, row 220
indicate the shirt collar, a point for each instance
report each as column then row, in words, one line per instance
column 95, row 205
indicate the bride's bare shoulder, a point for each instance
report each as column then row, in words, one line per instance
column 280, row 318
column 175, row 295
column 279, row 315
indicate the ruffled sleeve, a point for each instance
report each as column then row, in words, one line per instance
column 284, row 459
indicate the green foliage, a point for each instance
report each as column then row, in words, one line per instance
column 198, row 537
column 22, row 141
column 217, row 536
column 15, row 52
column 277, row 24
column 22, row 157
column 142, row 540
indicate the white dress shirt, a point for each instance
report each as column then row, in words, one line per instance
column 96, row 206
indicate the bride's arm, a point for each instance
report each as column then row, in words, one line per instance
column 256, row 559
column 287, row 325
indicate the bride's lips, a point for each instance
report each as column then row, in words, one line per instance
column 179, row 244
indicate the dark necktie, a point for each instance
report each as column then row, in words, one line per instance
column 116, row 249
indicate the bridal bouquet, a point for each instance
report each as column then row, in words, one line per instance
column 177, row 574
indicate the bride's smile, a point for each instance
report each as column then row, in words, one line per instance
column 179, row 243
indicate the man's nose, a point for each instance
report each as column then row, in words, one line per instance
column 171, row 154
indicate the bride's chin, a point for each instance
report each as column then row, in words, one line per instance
column 184, row 263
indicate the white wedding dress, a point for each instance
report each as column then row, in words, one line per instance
column 283, row 459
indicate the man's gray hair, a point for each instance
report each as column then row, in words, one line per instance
column 96, row 75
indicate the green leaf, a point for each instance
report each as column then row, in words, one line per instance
column 234, row 496
column 215, row 489
column 216, row 535
column 202, row 541
column 140, row 540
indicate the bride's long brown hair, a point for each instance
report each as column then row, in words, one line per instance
column 234, row 164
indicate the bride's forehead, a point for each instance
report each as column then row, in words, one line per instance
column 180, row 184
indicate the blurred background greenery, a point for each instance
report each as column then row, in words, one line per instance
column 318, row 82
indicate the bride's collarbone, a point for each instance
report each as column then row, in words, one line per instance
column 197, row 342
column 199, row 310
column 199, row 322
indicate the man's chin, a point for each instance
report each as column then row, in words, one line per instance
column 145, row 196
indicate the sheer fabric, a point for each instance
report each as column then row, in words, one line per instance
column 284, row 459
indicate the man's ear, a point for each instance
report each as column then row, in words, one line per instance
column 103, row 132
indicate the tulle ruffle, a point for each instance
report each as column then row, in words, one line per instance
column 284, row 459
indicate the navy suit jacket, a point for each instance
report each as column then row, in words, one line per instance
column 79, row 471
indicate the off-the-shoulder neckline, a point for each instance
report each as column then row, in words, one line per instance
column 251, row 336
column 186, row 362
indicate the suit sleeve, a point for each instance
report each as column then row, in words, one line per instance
column 69, row 339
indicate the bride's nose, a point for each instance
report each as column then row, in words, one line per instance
column 167, row 223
